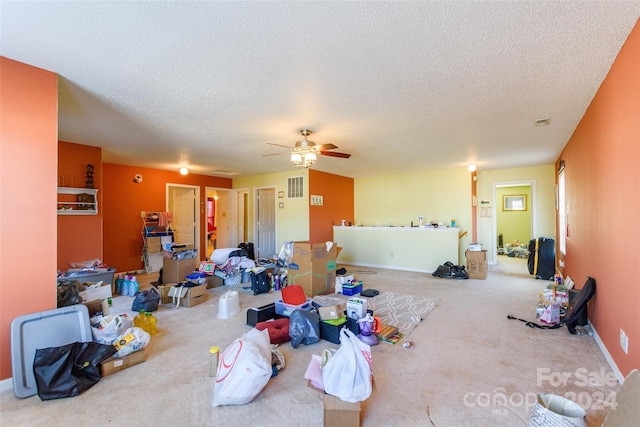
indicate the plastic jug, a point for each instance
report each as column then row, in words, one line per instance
column 140, row 320
column 134, row 286
column 125, row 285
column 151, row 323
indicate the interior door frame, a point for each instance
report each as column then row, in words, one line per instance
column 233, row 213
column 197, row 213
column 256, row 226
column 498, row 204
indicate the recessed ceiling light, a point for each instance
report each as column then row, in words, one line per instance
column 184, row 171
column 542, row 122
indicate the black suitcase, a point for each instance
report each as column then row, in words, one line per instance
column 542, row 258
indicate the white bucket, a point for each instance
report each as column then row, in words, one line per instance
column 229, row 305
column 552, row 410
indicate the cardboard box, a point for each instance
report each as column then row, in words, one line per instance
column 95, row 306
column 476, row 269
column 174, row 271
column 163, row 290
column 476, row 255
column 113, row 364
column 154, row 244
column 476, row 264
column 340, row 413
column 331, row 312
column 96, row 293
column 189, row 297
column 214, row 281
column 313, row 267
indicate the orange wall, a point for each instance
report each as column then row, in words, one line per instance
column 28, row 169
column 602, row 179
column 338, row 195
column 123, row 200
column 79, row 236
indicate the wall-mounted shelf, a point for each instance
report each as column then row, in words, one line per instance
column 77, row 201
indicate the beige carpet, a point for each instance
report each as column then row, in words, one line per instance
column 470, row 366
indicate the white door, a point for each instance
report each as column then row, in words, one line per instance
column 266, row 244
column 222, row 220
column 184, row 208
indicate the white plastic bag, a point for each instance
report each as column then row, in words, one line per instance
column 552, row 410
column 140, row 339
column 244, row 369
column 348, row 372
column 110, row 328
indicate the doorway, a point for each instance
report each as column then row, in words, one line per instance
column 182, row 201
column 514, row 216
column 226, row 213
column 265, row 209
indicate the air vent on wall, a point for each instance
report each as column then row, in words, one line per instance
column 295, row 189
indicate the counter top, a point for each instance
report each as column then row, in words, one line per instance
column 402, row 248
column 391, row 227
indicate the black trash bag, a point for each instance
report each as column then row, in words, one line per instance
column 304, row 328
column 146, row 300
column 69, row 370
column 451, row 271
column 68, row 293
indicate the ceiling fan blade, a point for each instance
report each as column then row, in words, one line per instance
column 325, row 147
column 335, row 154
column 279, row 145
column 272, row 154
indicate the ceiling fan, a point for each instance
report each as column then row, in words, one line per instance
column 305, row 146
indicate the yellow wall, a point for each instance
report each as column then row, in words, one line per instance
column 543, row 211
column 397, row 200
column 292, row 221
column 514, row 225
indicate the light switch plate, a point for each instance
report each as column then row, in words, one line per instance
column 317, row 200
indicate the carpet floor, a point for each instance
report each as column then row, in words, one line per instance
column 470, row 365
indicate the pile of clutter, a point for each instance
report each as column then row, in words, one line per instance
column 554, row 300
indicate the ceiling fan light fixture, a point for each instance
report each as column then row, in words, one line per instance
column 296, row 158
column 304, row 152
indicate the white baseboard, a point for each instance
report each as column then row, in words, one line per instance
column 6, row 384
column 607, row 355
column 386, row 267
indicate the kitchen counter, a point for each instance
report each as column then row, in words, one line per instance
column 401, row 248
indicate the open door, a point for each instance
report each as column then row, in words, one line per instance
column 266, row 223
column 182, row 201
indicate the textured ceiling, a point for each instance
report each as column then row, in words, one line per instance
column 401, row 86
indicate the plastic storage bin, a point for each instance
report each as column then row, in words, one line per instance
column 285, row 309
column 351, row 288
column 95, row 275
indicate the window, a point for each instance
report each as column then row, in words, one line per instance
column 514, row 203
column 562, row 214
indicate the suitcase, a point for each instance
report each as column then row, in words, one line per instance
column 542, row 258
